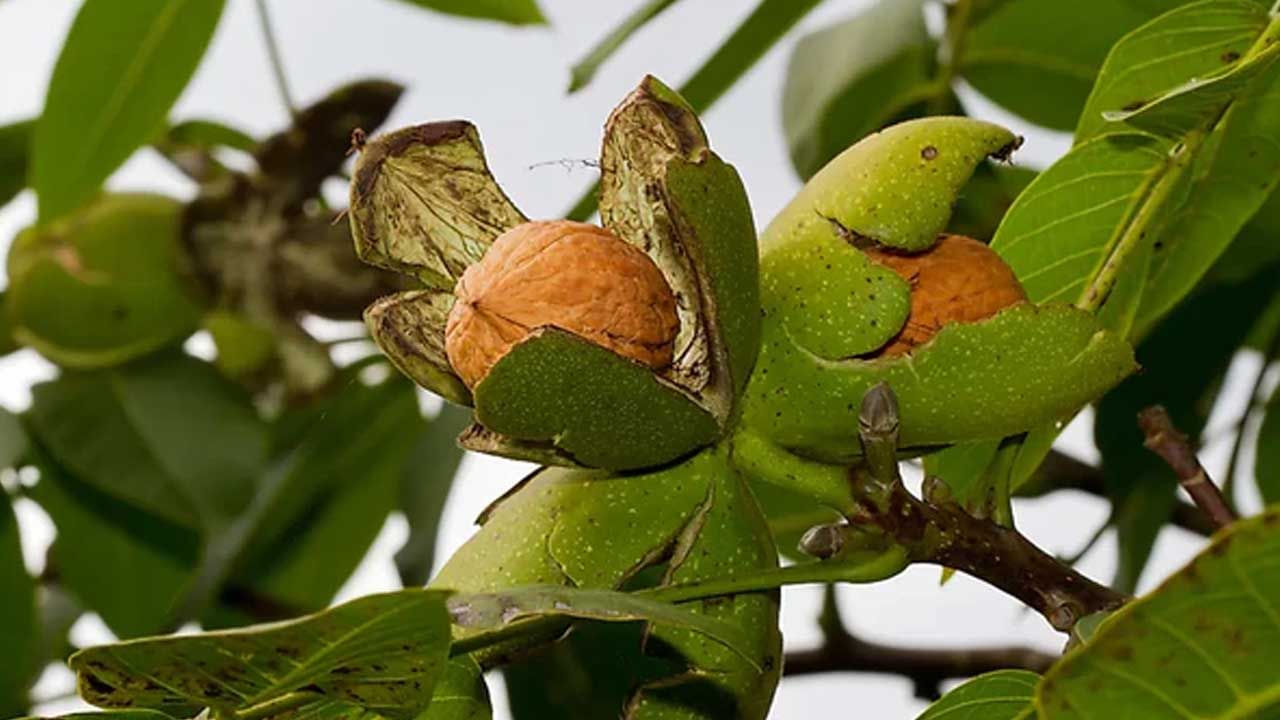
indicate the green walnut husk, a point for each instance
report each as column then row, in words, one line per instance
column 828, row 308
column 693, row 521
column 104, row 285
column 423, row 202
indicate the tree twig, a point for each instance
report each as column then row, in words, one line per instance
column 927, row 668
column 1163, row 439
column 277, row 62
column 940, row 532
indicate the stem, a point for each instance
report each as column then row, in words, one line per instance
column 1174, row 448
column 277, row 706
column 273, row 53
column 874, row 568
column 764, row 461
column 1097, row 291
column 952, row 50
column 945, row 534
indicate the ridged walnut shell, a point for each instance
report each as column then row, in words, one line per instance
column 573, row 276
column 957, row 280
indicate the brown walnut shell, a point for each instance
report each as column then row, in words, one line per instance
column 573, row 276
column 959, row 280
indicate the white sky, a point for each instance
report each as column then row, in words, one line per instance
column 511, row 82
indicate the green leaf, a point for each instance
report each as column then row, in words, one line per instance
column 127, row 565
column 584, row 70
column 762, row 29
column 1234, row 181
column 104, row 285
column 424, row 486
column 1058, row 230
column 1203, row 644
column 1185, row 378
column 323, row 500
column 460, row 693
column 167, row 433
column 191, row 147
column 13, row 440
column 514, row 12
column 209, row 134
column 852, row 78
column 998, row 695
column 17, row 616
column 590, row 673
column 1253, row 248
column 1083, row 223
column 110, row 715
column 1009, row 56
column 121, row 68
column 15, row 143
column 484, row 613
column 381, row 654
column 1174, row 72
column 1267, row 465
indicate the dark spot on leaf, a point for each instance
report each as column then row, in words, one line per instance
column 1123, row 653
column 929, row 152
column 1134, row 106
column 1230, row 56
column 95, row 684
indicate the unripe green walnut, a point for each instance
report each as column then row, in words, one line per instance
column 573, row 276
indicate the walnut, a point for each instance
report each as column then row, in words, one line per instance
column 957, row 280
column 569, row 275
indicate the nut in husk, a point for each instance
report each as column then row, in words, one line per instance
column 569, row 275
column 857, row 290
column 958, row 280
column 622, row 347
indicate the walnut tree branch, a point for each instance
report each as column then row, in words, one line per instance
column 939, row 531
column 927, row 668
column 1163, row 439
